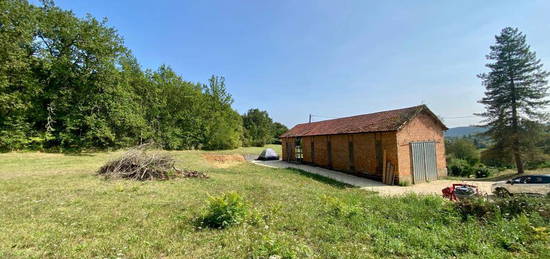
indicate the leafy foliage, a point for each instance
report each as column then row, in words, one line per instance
column 515, row 96
column 278, row 130
column 504, row 207
column 259, row 129
column 70, row 83
column 462, row 148
column 462, row 168
column 224, row 211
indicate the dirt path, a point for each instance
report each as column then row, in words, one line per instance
column 433, row 187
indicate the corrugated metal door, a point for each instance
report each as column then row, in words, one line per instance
column 423, row 161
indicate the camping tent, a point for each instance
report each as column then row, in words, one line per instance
column 268, row 154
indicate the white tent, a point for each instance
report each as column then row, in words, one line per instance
column 268, row 154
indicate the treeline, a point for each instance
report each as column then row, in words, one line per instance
column 259, row 129
column 70, row 83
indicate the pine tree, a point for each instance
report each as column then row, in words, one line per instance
column 516, row 91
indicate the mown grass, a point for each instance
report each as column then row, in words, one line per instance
column 53, row 205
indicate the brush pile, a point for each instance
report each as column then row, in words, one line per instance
column 140, row 164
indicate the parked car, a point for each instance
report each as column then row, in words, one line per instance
column 526, row 184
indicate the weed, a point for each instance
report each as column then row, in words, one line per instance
column 225, row 210
column 404, row 183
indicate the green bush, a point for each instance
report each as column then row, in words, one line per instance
column 223, row 211
column 505, row 207
column 270, row 245
column 462, row 148
column 460, row 167
column 482, row 171
column 338, row 208
column 404, row 183
column 476, row 207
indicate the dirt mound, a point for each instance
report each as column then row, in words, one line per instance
column 140, row 164
column 223, row 160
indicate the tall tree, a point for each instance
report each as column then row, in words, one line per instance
column 258, row 128
column 17, row 84
column 223, row 129
column 516, row 91
column 69, row 83
column 278, row 130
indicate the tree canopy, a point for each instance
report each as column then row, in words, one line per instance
column 259, row 128
column 70, row 83
column 515, row 97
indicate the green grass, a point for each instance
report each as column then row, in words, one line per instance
column 53, row 205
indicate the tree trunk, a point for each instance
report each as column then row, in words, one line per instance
column 519, row 162
column 515, row 127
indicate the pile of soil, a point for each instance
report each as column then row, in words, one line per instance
column 224, row 161
column 140, row 164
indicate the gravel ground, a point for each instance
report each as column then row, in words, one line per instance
column 433, row 187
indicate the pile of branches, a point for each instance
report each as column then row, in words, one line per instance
column 140, row 164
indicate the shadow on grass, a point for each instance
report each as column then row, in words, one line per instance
column 321, row 178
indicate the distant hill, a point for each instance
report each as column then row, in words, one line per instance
column 463, row 131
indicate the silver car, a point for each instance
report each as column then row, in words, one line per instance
column 526, row 184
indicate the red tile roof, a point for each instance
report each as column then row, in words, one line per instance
column 374, row 122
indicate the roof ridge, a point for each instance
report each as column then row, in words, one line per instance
column 389, row 120
column 359, row 115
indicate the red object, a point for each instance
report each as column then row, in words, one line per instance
column 373, row 122
column 449, row 192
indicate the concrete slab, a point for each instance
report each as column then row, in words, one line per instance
column 430, row 188
column 338, row 176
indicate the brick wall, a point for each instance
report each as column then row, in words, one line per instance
column 363, row 152
column 365, row 160
column 340, row 155
column 421, row 128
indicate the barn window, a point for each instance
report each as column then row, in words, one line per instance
column 298, row 151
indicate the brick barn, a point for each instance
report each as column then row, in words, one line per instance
column 409, row 141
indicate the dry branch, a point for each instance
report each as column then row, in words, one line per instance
column 140, row 163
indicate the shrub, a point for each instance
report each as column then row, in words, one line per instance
column 475, row 207
column 404, row 183
column 506, row 207
column 338, row 208
column 460, row 167
column 225, row 210
column 523, row 204
column 482, row 171
column 271, row 245
column 462, row 148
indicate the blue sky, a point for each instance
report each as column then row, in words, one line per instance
column 330, row 58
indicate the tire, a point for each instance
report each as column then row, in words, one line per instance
column 501, row 192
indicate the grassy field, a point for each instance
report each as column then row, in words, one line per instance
column 53, row 205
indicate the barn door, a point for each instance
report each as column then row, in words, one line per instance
column 423, row 161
